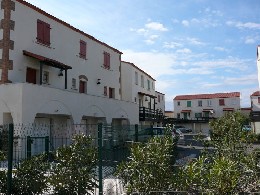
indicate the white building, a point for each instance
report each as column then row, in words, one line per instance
column 255, row 112
column 139, row 87
column 53, row 73
column 198, row 109
column 258, row 63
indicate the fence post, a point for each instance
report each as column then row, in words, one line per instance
column 100, row 175
column 136, row 132
column 29, row 147
column 47, row 144
column 10, row 158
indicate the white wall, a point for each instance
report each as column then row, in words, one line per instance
column 65, row 49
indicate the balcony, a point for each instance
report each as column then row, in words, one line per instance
column 147, row 114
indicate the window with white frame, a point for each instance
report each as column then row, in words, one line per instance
column 200, row 103
column 73, row 83
column 209, row 102
column 148, row 85
column 45, row 78
column 142, row 81
column 178, row 103
column 136, row 78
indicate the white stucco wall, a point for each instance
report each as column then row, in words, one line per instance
column 24, row 101
column 218, row 110
column 65, row 49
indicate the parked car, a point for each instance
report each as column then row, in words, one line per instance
column 183, row 129
column 247, row 127
column 147, row 133
column 177, row 133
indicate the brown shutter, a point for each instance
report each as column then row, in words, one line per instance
column 47, row 30
column 108, row 60
column 83, row 49
column 105, row 59
column 40, row 31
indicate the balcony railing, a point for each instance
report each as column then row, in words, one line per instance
column 147, row 114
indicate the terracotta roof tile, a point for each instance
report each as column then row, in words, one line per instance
column 256, row 93
column 207, row 96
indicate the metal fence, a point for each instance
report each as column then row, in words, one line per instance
column 21, row 141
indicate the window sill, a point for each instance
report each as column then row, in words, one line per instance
column 82, row 57
column 45, row 45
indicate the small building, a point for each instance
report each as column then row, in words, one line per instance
column 197, row 110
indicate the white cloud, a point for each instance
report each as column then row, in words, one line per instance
column 185, row 51
column 185, row 22
column 155, row 26
column 172, row 45
column 194, row 41
column 221, row 49
column 241, row 25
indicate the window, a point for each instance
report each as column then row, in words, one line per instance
column 142, row 81
column 178, row 115
column 178, row 103
column 43, row 32
column 83, row 49
column 198, row 115
column 258, row 100
column 106, row 60
column 73, row 83
column 82, row 87
column 200, row 103
column 159, row 98
column 221, row 102
column 136, row 78
column 45, row 78
column 111, row 92
column 152, row 85
column 206, row 114
column 188, row 103
column 105, row 90
column 148, row 85
column 209, row 102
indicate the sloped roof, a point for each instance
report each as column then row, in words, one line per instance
column 256, row 93
column 207, row 96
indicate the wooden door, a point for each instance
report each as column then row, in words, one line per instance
column 31, row 75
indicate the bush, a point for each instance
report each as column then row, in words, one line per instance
column 30, row 177
column 74, row 170
column 149, row 166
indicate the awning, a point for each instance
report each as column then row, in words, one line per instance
column 207, row 110
column 47, row 61
column 228, row 109
column 186, row 111
column 146, row 94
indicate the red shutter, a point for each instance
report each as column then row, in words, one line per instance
column 83, row 49
column 108, row 61
column 81, row 86
column 105, row 90
column 221, row 102
column 105, row 59
column 40, row 31
column 31, row 75
column 47, row 30
column 258, row 100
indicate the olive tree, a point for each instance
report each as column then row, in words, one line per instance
column 74, row 169
column 149, row 166
column 230, row 168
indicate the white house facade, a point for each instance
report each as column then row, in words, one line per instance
column 139, row 87
column 53, row 73
column 255, row 111
column 200, row 108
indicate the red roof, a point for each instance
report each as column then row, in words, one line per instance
column 207, row 96
column 186, row 111
column 256, row 93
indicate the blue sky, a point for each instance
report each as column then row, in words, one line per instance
column 188, row 46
